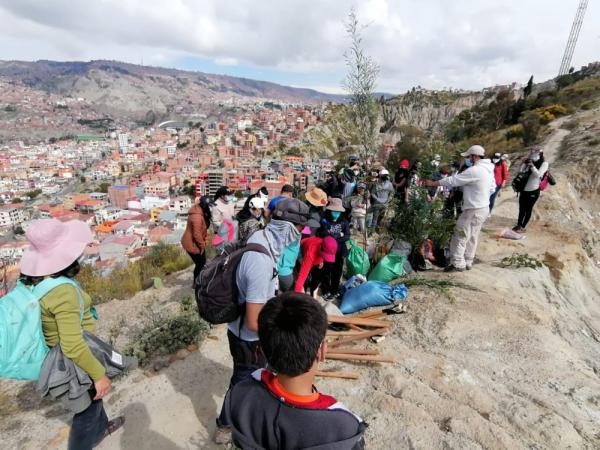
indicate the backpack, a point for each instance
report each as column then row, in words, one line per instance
column 22, row 343
column 216, row 289
column 546, row 180
column 520, row 181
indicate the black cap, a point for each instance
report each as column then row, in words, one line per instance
column 291, row 210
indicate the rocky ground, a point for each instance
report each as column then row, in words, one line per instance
column 514, row 364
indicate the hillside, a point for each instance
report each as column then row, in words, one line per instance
column 126, row 92
column 512, row 365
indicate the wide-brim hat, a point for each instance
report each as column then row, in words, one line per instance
column 54, row 246
column 316, row 197
column 335, row 204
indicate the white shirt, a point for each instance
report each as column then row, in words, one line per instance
column 533, row 182
column 477, row 182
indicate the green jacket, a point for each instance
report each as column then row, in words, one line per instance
column 62, row 324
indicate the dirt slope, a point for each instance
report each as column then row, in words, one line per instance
column 514, row 365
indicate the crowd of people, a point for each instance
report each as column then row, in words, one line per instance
column 278, row 339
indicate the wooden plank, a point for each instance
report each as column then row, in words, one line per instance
column 343, row 333
column 345, row 375
column 360, row 322
column 357, row 337
column 373, row 358
column 355, row 327
column 356, row 351
column 370, row 315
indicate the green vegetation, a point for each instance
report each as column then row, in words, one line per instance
column 33, row 194
column 103, row 187
column 124, row 282
column 519, row 260
column 164, row 335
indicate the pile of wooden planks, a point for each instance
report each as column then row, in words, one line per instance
column 358, row 328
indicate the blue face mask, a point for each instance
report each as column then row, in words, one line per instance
column 469, row 162
column 336, row 215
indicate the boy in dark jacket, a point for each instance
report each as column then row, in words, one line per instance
column 283, row 409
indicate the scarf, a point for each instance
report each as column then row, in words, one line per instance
column 279, row 234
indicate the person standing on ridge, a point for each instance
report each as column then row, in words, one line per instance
column 382, row 194
column 501, row 176
column 195, row 237
column 223, row 207
column 537, row 167
column 287, row 191
column 401, row 181
column 478, row 183
column 338, row 228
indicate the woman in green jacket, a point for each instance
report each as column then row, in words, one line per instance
column 54, row 252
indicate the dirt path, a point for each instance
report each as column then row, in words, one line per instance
column 514, row 365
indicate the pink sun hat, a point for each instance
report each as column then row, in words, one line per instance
column 54, row 246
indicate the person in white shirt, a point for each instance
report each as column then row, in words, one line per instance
column 477, row 183
column 537, row 167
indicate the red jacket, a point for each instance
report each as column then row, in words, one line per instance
column 311, row 257
column 195, row 235
column 501, row 173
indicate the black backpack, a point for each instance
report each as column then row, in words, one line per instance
column 216, row 288
column 520, row 181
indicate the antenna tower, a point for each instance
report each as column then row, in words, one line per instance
column 565, row 65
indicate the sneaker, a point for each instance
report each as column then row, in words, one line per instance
column 468, row 267
column 113, row 425
column 451, row 268
column 222, row 435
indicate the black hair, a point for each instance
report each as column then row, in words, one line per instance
column 539, row 162
column 263, row 190
column 221, row 192
column 322, row 232
column 291, row 328
column 287, row 188
column 70, row 272
column 204, row 205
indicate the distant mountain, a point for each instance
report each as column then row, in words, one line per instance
column 118, row 88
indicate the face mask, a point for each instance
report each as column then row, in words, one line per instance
column 535, row 158
column 435, row 163
column 469, row 162
column 356, row 172
column 336, row 215
column 495, row 160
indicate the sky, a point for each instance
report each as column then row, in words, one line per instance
column 435, row 44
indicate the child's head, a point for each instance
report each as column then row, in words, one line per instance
column 291, row 329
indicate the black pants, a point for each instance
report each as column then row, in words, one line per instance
column 526, row 201
column 247, row 357
column 88, row 427
column 199, row 261
column 329, row 276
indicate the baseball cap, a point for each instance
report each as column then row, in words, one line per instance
column 405, row 163
column 475, row 150
column 291, row 210
column 384, row 172
column 257, row 202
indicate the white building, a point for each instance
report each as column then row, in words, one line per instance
column 123, row 142
column 180, row 204
column 11, row 216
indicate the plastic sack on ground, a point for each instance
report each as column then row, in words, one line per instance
column 357, row 261
column 389, row 268
column 352, row 282
column 372, row 293
column 510, row 234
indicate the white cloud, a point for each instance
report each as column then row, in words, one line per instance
column 437, row 43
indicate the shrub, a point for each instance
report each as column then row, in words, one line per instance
column 124, row 282
column 515, row 132
column 594, row 142
column 531, row 123
column 164, row 335
column 519, row 260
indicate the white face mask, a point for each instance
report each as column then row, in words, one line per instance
column 496, row 160
column 535, row 158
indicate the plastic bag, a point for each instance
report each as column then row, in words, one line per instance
column 389, row 268
column 357, row 261
column 372, row 293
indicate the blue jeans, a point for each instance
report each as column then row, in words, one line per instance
column 88, row 427
column 493, row 197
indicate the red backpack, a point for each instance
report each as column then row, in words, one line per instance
column 546, row 180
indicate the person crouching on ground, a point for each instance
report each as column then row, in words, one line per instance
column 256, row 280
column 195, row 237
column 281, row 409
column 54, row 252
column 478, row 183
column 537, row 167
column 316, row 251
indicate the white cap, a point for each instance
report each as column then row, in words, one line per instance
column 437, row 157
column 257, row 202
column 476, row 150
column 505, row 156
column 384, row 172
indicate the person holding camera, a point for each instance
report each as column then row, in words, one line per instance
column 537, row 168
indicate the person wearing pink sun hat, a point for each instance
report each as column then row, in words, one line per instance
column 54, row 251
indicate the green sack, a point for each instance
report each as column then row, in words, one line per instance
column 389, row 268
column 357, row 261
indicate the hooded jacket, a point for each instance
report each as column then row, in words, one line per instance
column 195, row 235
column 501, row 173
column 221, row 211
column 324, row 424
column 477, row 183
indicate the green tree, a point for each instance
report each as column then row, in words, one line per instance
column 531, row 122
column 103, row 187
column 33, row 194
column 360, row 82
column 528, row 88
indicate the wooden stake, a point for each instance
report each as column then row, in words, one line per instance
column 370, row 315
column 345, row 375
column 359, row 321
column 374, row 358
column 356, row 351
column 343, row 333
column 355, row 327
column 357, row 337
